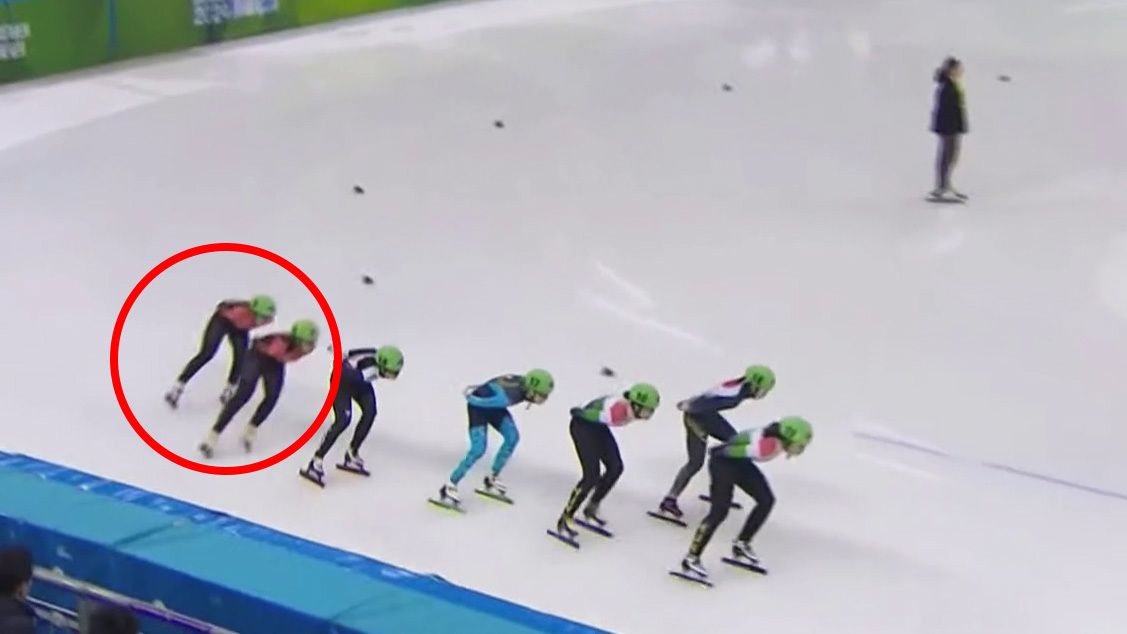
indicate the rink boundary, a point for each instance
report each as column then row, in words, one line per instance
column 996, row 466
column 134, row 528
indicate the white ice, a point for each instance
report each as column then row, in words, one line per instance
column 633, row 214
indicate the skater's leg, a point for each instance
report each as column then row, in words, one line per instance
column 511, row 437
column 342, row 418
column 238, row 339
column 696, row 441
column 612, row 461
column 248, row 381
column 478, row 443
column 273, row 378
column 587, row 449
column 754, row 483
column 217, row 326
column 366, row 398
column 722, row 471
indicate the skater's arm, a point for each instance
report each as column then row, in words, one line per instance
column 616, row 413
column 489, row 396
column 751, row 444
column 724, row 396
column 360, row 352
column 606, row 411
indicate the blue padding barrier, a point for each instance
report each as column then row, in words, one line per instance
column 227, row 571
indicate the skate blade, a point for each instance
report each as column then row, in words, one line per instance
column 691, row 578
column 944, row 199
column 672, row 520
column 570, row 541
column 306, row 476
column 745, row 565
column 448, row 506
column 363, row 472
column 494, row 496
column 594, row 528
column 734, row 505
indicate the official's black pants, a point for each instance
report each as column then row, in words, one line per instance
column 948, row 156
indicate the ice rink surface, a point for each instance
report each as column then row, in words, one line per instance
column 630, row 213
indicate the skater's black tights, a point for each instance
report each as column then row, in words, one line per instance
column 728, row 473
column 217, row 328
column 256, row 366
column 365, row 397
column 595, row 445
column 945, row 162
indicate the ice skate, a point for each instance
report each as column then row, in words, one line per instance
column 593, row 522
column 172, row 396
column 669, row 511
column 492, row 487
column 948, row 195
column 314, row 472
column 565, row 532
column 228, row 392
column 249, row 435
column 744, row 557
column 207, row 447
column 353, row 464
column 448, row 498
column 692, row 570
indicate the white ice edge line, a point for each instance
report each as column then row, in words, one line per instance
column 1106, row 6
column 636, row 293
column 428, row 23
column 899, row 466
column 986, row 464
column 626, row 314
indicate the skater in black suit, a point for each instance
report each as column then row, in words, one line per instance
column 949, row 123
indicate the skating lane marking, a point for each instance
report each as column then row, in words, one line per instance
column 995, row 466
column 634, row 291
column 899, row 466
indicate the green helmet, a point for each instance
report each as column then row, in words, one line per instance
column 539, row 383
column 389, row 361
column 795, row 431
column 263, row 306
column 304, row 331
column 761, row 378
column 643, row 395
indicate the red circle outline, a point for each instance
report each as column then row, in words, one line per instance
column 115, row 341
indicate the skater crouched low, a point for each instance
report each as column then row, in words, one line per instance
column 732, row 464
column 591, row 431
column 487, row 405
column 232, row 319
column 267, row 361
column 359, row 369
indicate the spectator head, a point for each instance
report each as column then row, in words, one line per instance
column 112, row 619
column 15, row 571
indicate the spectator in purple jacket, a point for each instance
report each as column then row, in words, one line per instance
column 16, row 615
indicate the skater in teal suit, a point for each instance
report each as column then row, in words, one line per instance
column 487, row 405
